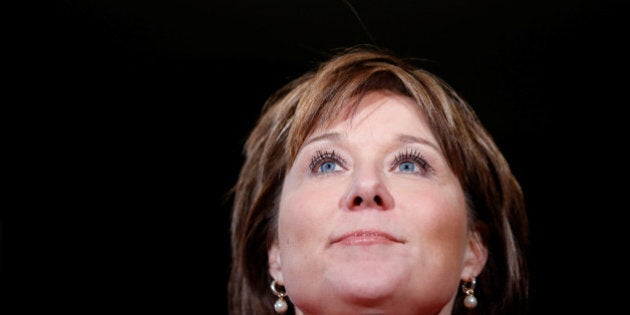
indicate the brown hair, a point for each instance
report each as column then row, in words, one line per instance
column 496, row 202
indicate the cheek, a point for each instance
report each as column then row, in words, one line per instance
column 304, row 224
column 304, row 212
column 440, row 211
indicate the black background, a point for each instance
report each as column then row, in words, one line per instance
column 126, row 119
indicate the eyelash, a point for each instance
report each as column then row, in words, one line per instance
column 409, row 155
column 322, row 157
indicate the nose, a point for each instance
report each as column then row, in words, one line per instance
column 368, row 191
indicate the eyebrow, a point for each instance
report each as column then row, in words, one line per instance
column 333, row 136
column 412, row 139
column 326, row 136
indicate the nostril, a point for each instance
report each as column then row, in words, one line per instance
column 378, row 200
column 357, row 201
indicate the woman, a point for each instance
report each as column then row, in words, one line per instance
column 370, row 187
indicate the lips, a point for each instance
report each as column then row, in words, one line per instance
column 366, row 237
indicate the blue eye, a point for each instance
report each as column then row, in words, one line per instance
column 411, row 161
column 326, row 162
column 406, row 167
column 327, row 167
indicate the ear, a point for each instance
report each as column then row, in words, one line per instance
column 476, row 253
column 275, row 264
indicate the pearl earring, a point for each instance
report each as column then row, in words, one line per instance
column 281, row 305
column 470, row 301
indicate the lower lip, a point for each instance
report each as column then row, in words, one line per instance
column 365, row 239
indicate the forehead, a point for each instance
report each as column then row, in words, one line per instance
column 317, row 115
column 373, row 109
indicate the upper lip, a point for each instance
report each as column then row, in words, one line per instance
column 364, row 232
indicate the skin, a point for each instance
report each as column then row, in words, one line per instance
column 380, row 227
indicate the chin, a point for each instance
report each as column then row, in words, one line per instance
column 369, row 285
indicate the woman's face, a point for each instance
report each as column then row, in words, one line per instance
column 372, row 220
